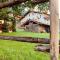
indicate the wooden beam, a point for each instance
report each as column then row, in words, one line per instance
column 39, row 1
column 14, row 2
column 10, row 3
column 44, row 48
column 54, row 49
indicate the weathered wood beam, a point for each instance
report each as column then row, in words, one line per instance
column 43, row 48
column 39, row 1
column 27, row 39
column 10, row 3
column 14, row 2
column 54, row 43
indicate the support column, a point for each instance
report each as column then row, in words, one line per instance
column 54, row 43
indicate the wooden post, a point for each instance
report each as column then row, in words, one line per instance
column 54, row 49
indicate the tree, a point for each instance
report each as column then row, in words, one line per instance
column 54, row 44
column 4, row 16
column 43, row 6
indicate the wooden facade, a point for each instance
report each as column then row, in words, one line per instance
column 36, row 27
column 35, row 22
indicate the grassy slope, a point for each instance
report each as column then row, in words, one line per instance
column 27, row 34
column 12, row 50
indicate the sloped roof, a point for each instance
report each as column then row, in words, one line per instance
column 35, row 16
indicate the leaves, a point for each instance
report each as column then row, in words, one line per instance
column 18, row 9
column 43, row 6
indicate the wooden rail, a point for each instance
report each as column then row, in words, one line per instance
column 27, row 39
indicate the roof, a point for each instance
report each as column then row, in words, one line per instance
column 18, row 17
column 35, row 16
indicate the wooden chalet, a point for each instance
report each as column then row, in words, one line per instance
column 35, row 22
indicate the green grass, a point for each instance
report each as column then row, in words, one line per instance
column 12, row 50
column 22, row 33
column 27, row 34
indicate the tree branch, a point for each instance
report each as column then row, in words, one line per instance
column 39, row 1
column 10, row 3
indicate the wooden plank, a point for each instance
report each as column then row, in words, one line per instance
column 14, row 2
column 44, row 48
column 11, row 3
column 54, row 49
column 39, row 1
column 26, row 39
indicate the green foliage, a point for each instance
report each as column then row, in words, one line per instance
column 5, row 27
column 30, row 4
column 17, row 9
column 20, row 7
column 43, row 6
column 13, row 25
column 3, row 0
column 4, row 16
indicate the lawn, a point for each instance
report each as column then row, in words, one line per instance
column 12, row 50
column 23, row 33
column 27, row 34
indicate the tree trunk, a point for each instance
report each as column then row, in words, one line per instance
column 14, row 25
column 54, row 43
